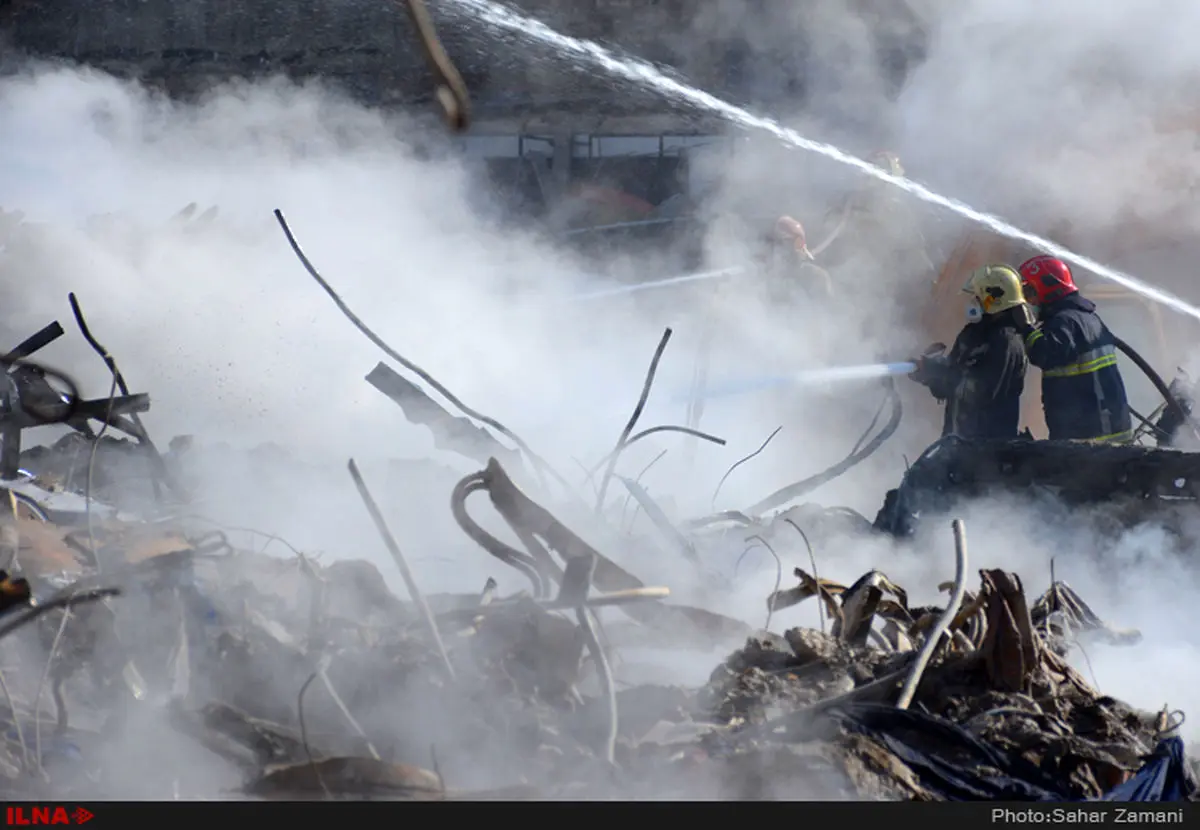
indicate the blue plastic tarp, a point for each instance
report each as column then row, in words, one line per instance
column 1163, row 777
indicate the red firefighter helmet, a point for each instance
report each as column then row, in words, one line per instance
column 788, row 230
column 1046, row 279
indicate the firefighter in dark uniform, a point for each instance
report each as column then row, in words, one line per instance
column 1083, row 394
column 982, row 377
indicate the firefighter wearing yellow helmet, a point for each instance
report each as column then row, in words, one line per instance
column 982, row 377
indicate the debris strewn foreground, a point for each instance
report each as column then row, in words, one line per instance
column 153, row 658
column 315, row 681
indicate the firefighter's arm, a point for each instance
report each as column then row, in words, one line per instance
column 1054, row 344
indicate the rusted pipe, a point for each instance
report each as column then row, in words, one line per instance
column 451, row 90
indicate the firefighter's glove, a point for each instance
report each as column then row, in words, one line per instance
column 932, row 372
column 927, row 368
column 922, row 373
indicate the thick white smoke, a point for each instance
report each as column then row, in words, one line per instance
column 237, row 344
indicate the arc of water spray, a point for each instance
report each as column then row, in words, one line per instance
column 814, row 377
column 682, row 279
column 646, row 74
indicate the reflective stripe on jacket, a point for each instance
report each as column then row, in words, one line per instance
column 1089, row 362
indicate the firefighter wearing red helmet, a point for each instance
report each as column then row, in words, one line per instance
column 790, row 267
column 1083, row 395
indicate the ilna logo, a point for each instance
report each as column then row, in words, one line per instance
column 46, row 815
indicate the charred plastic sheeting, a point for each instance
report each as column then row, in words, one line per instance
column 980, row 772
column 1133, row 482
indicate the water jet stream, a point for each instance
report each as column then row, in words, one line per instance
column 683, row 279
column 812, row 377
column 647, row 75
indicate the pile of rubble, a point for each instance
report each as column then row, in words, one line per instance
column 317, row 682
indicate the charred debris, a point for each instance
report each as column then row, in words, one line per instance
column 314, row 681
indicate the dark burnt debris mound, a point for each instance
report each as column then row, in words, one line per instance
column 146, row 655
column 313, row 681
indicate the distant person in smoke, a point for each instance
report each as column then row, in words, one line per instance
column 791, row 272
column 983, row 375
column 1083, row 394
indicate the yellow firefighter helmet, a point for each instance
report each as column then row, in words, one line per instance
column 993, row 289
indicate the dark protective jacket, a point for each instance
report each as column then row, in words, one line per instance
column 1083, row 394
column 981, row 380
